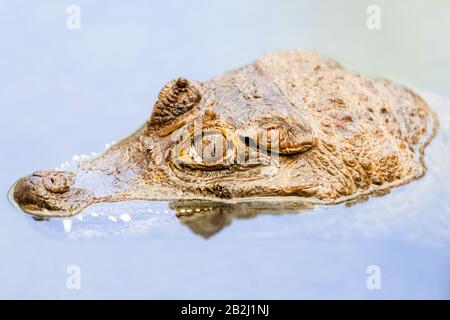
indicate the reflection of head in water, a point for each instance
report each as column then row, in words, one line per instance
column 206, row 218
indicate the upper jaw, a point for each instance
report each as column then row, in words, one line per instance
column 51, row 193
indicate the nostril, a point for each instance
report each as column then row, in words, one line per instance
column 54, row 181
column 57, row 182
column 59, row 185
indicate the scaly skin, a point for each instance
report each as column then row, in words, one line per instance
column 290, row 124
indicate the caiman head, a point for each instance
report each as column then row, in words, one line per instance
column 249, row 133
column 193, row 146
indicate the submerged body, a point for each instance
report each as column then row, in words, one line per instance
column 290, row 124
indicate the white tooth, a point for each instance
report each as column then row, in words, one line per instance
column 182, row 211
column 197, row 210
column 67, row 224
column 112, row 218
column 125, row 217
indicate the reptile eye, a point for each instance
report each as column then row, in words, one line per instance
column 286, row 136
column 211, row 147
column 209, row 150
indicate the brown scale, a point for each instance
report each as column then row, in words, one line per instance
column 176, row 98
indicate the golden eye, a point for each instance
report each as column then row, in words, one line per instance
column 212, row 148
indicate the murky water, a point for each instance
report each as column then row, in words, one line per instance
column 69, row 92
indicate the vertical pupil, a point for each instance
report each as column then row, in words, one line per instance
column 211, row 147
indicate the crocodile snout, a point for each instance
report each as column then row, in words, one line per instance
column 50, row 190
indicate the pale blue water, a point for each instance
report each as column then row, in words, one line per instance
column 69, row 92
